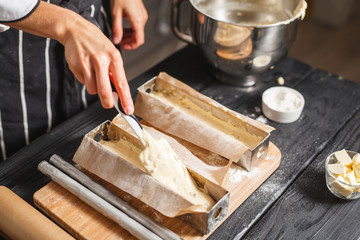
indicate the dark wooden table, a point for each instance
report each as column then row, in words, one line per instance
column 294, row 202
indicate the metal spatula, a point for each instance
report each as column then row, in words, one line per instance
column 130, row 119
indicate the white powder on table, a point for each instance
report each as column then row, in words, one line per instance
column 261, row 119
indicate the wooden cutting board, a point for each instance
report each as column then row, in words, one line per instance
column 83, row 222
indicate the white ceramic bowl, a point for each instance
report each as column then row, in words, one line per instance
column 282, row 104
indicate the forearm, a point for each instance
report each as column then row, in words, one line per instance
column 91, row 56
column 50, row 21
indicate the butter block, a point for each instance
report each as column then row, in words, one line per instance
column 356, row 169
column 337, row 169
column 348, row 170
column 350, row 178
column 356, row 165
column 356, row 159
column 343, row 158
column 341, row 188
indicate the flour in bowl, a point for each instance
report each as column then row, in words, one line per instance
column 283, row 99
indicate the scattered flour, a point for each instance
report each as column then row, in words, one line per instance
column 270, row 187
column 236, row 174
column 269, row 158
column 257, row 109
column 262, row 119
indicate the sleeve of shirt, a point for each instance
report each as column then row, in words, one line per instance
column 15, row 10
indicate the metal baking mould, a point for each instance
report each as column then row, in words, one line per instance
column 250, row 157
column 203, row 222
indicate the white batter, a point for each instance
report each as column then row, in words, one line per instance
column 160, row 161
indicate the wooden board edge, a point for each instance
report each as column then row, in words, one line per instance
column 51, row 215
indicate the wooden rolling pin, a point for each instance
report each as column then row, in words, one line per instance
column 19, row 220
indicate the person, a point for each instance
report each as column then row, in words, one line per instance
column 55, row 56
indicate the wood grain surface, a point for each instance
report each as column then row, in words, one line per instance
column 84, row 222
column 307, row 210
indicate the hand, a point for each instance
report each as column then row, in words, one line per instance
column 135, row 12
column 94, row 60
column 91, row 56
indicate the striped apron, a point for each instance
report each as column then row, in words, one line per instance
column 37, row 89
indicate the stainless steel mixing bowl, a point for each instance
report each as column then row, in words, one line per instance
column 241, row 38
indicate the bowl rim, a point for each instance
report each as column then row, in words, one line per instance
column 301, row 8
column 328, row 171
column 302, row 100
